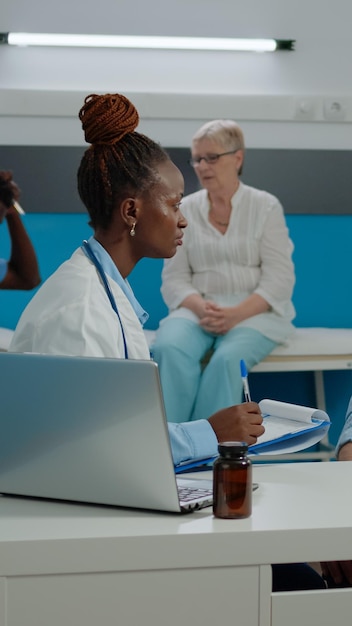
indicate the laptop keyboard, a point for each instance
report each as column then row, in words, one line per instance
column 190, row 493
column 187, row 494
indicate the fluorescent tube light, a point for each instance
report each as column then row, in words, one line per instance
column 126, row 41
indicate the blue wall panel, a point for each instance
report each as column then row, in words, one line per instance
column 322, row 295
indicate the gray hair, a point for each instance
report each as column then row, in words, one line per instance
column 226, row 132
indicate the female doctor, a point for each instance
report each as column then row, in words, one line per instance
column 132, row 192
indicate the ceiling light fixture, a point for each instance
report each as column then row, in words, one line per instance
column 126, row 41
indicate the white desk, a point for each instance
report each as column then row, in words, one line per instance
column 82, row 565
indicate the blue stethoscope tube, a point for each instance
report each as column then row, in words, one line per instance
column 90, row 254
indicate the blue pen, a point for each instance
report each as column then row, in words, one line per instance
column 244, row 376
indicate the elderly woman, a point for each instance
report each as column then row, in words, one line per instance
column 229, row 287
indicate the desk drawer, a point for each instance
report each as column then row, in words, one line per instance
column 310, row 608
column 205, row 597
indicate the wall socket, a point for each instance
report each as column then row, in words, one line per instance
column 334, row 109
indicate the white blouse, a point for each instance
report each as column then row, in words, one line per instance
column 253, row 256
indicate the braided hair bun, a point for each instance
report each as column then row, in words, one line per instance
column 108, row 118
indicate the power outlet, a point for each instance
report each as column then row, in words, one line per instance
column 334, row 109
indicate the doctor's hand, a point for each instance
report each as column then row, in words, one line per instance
column 242, row 422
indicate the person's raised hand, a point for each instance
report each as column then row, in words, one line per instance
column 9, row 192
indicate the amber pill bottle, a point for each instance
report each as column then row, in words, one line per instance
column 232, row 481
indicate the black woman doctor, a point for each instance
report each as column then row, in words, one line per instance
column 132, row 192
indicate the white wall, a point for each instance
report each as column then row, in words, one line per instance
column 176, row 91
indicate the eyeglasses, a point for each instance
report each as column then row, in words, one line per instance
column 209, row 158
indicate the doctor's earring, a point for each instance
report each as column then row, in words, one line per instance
column 133, row 229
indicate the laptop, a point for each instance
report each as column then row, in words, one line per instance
column 89, row 430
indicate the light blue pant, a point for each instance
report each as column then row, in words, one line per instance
column 192, row 392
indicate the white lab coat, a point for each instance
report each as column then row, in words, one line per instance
column 72, row 315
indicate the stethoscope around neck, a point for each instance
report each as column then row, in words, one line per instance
column 90, row 254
